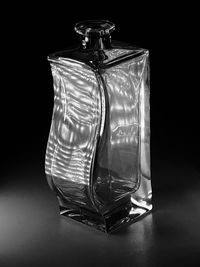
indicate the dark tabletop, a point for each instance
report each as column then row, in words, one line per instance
column 32, row 233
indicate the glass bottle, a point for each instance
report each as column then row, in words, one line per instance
column 98, row 152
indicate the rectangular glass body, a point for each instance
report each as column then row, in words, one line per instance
column 98, row 152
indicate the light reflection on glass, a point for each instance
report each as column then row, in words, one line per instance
column 98, row 153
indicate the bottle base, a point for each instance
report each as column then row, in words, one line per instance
column 108, row 222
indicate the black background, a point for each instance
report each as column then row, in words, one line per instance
column 171, row 235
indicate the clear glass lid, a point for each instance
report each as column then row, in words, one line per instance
column 94, row 27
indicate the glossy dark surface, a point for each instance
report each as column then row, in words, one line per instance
column 33, row 233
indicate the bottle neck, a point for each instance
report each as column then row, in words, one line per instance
column 95, row 42
column 95, row 34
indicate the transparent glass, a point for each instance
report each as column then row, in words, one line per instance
column 98, row 151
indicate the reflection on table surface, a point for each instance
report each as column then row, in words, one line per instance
column 33, row 233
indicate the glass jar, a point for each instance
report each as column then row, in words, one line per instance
column 98, row 152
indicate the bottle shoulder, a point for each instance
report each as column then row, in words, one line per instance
column 104, row 58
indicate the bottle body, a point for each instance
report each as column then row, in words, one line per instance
column 98, row 151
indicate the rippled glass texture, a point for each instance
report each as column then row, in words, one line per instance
column 98, row 152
